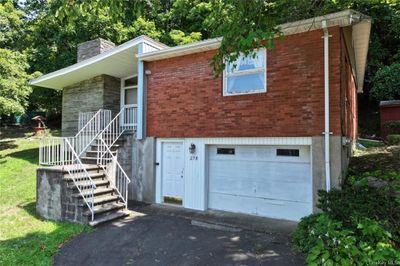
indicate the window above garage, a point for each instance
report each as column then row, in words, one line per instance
column 246, row 75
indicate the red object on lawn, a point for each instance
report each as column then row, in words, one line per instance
column 389, row 112
column 40, row 126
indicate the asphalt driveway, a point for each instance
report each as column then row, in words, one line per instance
column 154, row 238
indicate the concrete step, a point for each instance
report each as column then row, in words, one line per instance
column 94, row 153
column 96, row 192
column 108, row 218
column 105, row 208
column 103, row 199
column 98, row 182
column 82, row 176
column 88, row 167
column 93, row 160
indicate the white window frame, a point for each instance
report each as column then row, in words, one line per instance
column 263, row 70
column 123, row 88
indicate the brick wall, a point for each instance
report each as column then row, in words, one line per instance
column 185, row 100
column 349, row 112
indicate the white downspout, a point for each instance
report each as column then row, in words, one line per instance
column 326, row 105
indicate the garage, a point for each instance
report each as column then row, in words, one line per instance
column 271, row 181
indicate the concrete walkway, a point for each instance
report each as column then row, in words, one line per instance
column 159, row 236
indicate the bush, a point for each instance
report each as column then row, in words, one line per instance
column 393, row 139
column 327, row 241
column 386, row 83
column 359, row 225
column 388, row 175
column 354, row 203
column 392, row 124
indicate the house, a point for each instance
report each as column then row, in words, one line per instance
column 157, row 126
column 390, row 117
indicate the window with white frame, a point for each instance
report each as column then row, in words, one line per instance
column 246, row 75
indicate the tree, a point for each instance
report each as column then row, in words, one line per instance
column 386, row 83
column 14, row 88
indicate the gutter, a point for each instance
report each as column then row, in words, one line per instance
column 326, row 106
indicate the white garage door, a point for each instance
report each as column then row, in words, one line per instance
column 271, row 181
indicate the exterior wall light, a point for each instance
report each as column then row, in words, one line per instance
column 192, row 148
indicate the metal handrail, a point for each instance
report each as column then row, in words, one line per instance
column 107, row 138
column 119, row 179
column 74, row 171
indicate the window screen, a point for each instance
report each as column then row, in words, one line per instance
column 229, row 151
column 288, row 152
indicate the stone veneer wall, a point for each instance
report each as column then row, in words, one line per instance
column 87, row 96
column 92, row 48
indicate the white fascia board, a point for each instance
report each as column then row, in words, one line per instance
column 190, row 48
column 97, row 58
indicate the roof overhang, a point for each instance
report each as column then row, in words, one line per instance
column 120, row 62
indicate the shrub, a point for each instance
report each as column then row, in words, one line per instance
column 327, row 241
column 354, row 178
column 393, row 139
column 386, row 83
column 354, row 203
column 392, row 124
column 359, row 225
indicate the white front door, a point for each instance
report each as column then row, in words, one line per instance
column 172, row 165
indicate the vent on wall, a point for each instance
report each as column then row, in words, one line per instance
column 229, row 151
column 287, row 152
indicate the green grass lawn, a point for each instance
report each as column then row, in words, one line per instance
column 25, row 238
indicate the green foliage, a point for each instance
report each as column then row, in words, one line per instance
column 392, row 124
column 328, row 242
column 387, row 175
column 351, row 230
column 358, row 202
column 10, row 24
column 14, row 89
column 179, row 37
column 386, row 83
column 393, row 139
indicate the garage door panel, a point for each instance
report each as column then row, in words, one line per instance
column 271, row 171
column 269, row 180
column 262, row 207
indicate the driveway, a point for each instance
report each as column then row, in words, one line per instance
column 153, row 237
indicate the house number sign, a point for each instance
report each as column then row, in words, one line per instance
column 194, row 157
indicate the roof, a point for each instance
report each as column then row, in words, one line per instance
column 391, row 103
column 118, row 62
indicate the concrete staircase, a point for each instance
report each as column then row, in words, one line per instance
column 108, row 204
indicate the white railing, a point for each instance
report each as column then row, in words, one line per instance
column 114, row 172
column 55, row 151
column 89, row 132
column 81, row 178
column 129, row 117
column 124, row 120
column 84, row 117
column 52, row 150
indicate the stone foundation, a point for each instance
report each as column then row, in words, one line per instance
column 54, row 199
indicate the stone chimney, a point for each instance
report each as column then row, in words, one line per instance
column 92, row 48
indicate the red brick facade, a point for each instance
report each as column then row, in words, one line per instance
column 185, row 100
